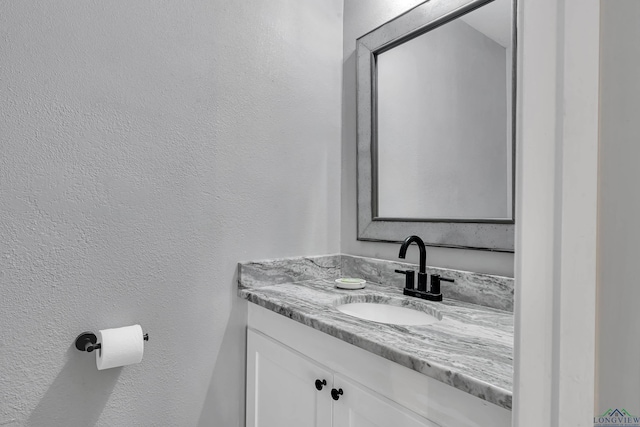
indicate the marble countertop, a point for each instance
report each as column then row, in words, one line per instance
column 470, row 348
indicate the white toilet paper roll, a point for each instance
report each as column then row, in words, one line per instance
column 119, row 347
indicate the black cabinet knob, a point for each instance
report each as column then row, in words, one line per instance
column 320, row 384
column 335, row 394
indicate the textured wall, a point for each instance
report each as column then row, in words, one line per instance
column 146, row 148
column 618, row 349
column 360, row 17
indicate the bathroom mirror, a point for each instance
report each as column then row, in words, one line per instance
column 436, row 125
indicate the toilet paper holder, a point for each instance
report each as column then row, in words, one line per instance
column 88, row 341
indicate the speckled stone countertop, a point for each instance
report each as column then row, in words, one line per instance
column 470, row 348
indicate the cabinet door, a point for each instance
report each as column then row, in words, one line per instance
column 281, row 389
column 360, row 407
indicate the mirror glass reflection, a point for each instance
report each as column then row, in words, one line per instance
column 444, row 146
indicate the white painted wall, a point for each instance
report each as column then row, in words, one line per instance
column 618, row 364
column 360, row 17
column 147, row 147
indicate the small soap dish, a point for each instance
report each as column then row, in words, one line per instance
column 350, row 283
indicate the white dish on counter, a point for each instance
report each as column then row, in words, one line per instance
column 350, row 283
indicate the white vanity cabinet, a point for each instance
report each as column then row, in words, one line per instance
column 282, row 390
column 359, row 407
column 281, row 386
column 285, row 358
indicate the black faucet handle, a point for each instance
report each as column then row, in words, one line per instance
column 410, row 278
column 435, row 283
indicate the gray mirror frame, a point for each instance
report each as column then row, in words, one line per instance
column 493, row 235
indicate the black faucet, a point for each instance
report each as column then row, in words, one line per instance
column 433, row 294
column 422, row 274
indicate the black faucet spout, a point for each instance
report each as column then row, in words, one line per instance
column 422, row 274
column 423, row 251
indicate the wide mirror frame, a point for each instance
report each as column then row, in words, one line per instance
column 495, row 235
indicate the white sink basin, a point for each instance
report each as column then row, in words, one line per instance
column 385, row 313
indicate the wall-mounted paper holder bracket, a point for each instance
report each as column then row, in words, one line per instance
column 88, row 341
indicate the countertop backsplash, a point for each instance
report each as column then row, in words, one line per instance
column 482, row 289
